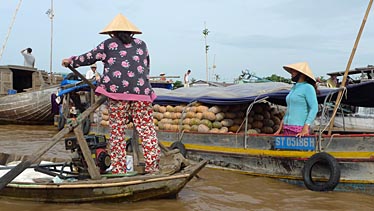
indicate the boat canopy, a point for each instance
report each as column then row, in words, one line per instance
column 357, row 94
column 360, row 94
column 276, row 92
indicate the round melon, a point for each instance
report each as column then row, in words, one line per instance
column 203, row 128
column 215, row 109
column 199, row 115
column 217, row 124
column 220, row 116
column 209, row 115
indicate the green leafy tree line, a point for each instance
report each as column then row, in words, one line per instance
column 277, row 78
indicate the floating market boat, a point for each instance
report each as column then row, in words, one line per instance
column 341, row 161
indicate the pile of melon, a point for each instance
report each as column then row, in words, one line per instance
column 262, row 118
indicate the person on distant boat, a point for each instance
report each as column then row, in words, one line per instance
column 332, row 82
column 29, row 59
column 125, row 81
column 302, row 104
column 92, row 73
column 186, row 80
column 162, row 76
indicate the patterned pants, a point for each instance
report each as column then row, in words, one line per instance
column 141, row 114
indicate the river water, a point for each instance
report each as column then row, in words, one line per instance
column 215, row 190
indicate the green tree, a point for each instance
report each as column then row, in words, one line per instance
column 177, row 84
column 277, row 78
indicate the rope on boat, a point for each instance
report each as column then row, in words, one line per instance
column 10, row 28
column 246, row 118
column 328, row 98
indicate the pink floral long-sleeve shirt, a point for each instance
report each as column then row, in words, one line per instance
column 126, row 69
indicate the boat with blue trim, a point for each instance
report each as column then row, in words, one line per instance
column 343, row 160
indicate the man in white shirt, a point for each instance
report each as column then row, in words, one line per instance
column 186, row 79
column 29, row 58
column 91, row 73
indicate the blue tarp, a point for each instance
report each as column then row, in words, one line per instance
column 361, row 94
column 356, row 94
column 79, row 86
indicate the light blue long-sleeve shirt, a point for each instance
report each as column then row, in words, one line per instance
column 302, row 105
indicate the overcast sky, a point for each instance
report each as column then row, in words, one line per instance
column 261, row 36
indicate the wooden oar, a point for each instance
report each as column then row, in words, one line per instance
column 82, row 77
column 135, row 149
column 8, row 177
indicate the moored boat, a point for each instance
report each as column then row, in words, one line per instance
column 25, row 95
column 341, row 161
column 264, row 155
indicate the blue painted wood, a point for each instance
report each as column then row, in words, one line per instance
column 295, row 143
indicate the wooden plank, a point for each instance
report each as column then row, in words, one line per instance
column 92, row 168
column 92, row 101
column 354, row 71
column 82, row 77
column 135, row 146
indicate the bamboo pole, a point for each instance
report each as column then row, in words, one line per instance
column 10, row 29
column 338, row 99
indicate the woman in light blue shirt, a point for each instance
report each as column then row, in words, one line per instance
column 302, row 105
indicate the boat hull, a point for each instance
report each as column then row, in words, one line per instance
column 115, row 191
column 119, row 189
column 27, row 107
column 256, row 155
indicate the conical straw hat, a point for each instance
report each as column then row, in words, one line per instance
column 120, row 23
column 301, row 67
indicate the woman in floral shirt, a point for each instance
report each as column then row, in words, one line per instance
column 125, row 81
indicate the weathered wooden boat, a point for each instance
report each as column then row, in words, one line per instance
column 341, row 160
column 25, row 95
column 32, row 107
column 129, row 187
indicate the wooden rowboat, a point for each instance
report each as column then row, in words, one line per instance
column 109, row 188
column 25, row 95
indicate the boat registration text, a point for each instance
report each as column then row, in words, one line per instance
column 294, row 143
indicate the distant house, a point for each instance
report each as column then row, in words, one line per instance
column 203, row 83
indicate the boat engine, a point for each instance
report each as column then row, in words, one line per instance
column 98, row 147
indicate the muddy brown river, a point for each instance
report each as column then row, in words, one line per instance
column 215, row 190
